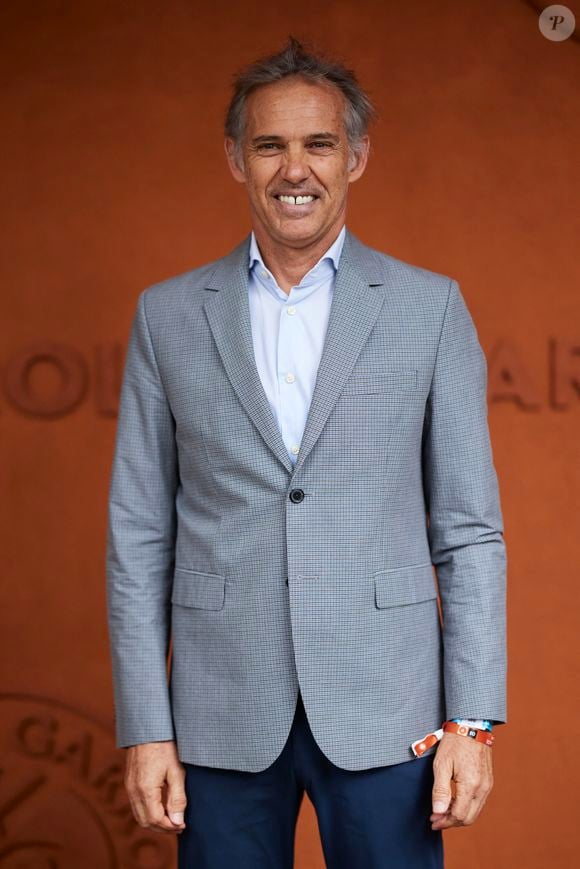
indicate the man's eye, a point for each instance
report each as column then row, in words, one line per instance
column 321, row 144
column 268, row 146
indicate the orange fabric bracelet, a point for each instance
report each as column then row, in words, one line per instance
column 473, row 732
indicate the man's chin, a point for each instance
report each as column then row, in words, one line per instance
column 296, row 230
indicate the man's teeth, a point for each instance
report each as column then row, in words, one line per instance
column 296, row 200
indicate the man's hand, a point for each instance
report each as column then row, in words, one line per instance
column 154, row 780
column 465, row 764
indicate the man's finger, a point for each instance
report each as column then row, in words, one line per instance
column 138, row 810
column 477, row 804
column 464, row 794
column 441, row 793
column 465, row 806
column 474, row 810
column 176, row 798
column 137, row 803
column 155, row 811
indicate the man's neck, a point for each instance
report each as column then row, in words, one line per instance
column 289, row 264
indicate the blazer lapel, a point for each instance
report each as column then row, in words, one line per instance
column 228, row 312
column 357, row 300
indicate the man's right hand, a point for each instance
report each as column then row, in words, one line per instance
column 155, row 783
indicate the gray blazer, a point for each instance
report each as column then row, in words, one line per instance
column 269, row 577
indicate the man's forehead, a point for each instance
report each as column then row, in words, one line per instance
column 296, row 107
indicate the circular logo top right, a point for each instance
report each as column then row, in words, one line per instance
column 557, row 23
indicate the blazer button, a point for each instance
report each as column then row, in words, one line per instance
column 296, row 495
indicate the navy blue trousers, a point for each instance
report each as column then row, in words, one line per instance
column 369, row 819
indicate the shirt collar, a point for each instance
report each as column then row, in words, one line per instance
column 332, row 254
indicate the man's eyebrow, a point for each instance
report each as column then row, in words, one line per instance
column 273, row 138
column 258, row 139
column 330, row 136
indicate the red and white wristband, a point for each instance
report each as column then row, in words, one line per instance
column 420, row 746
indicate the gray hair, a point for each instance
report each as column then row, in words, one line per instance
column 295, row 60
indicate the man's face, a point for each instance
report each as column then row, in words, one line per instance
column 295, row 144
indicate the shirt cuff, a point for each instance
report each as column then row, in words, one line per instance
column 479, row 723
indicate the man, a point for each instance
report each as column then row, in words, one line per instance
column 302, row 435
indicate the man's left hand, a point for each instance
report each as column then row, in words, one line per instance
column 463, row 778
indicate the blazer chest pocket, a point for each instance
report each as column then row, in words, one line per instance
column 400, row 586
column 382, row 380
column 194, row 588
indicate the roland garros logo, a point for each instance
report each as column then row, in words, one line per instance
column 49, row 380
column 62, row 799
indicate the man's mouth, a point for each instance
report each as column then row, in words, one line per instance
column 295, row 200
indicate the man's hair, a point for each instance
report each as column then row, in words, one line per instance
column 295, row 60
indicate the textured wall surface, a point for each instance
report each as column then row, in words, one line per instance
column 115, row 178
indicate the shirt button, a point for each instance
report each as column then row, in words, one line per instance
column 291, row 310
column 294, row 449
column 265, row 274
column 290, row 378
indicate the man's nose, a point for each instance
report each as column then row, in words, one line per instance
column 295, row 167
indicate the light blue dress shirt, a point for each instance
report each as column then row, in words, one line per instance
column 288, row 332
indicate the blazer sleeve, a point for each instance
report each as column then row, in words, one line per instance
column 465, row 526
column 141, row 545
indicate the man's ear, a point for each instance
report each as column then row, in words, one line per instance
column 234, row 160
column 358, row 159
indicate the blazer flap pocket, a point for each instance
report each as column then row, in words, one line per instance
column 405, row 585
column 380, row 380
column 197, row 589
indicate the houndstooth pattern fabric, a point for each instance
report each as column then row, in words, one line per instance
column 225, row 595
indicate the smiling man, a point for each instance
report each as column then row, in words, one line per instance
column 296, row 158
column 302, row 467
